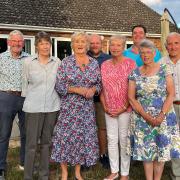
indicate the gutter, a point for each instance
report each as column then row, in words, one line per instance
column 67, row 30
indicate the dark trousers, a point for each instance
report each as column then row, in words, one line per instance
column 10, row 105
column 39, row 126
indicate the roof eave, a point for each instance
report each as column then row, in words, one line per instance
column 66, row 30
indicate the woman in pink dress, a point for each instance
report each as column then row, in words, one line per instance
column 114, row 98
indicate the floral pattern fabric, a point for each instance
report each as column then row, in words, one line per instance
column 149, row 143
column 75, row 137
column 11, row 71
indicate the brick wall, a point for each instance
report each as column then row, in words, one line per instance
column 157, row 41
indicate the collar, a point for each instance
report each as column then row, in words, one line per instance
column 91, row 54
column 22, row 54
column 131, row 49
column 169, row 61
column 51, row 58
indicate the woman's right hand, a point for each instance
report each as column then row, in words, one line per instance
column 90, row 92
column 82, row 91
column 150, row 119
column 159, row 119
column 117, row 112
column 105, row 109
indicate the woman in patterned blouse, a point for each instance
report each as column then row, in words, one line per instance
column 75, row 137
column 114, row 98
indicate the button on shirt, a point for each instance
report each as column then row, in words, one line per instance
column 38, row 85
column 11, row 71
column 175, row 68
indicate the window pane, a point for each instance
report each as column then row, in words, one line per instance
column 63, row 49
column 27, row 46
column 53, row 41
column 3, row 45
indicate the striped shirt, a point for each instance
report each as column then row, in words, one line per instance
column 115, row 82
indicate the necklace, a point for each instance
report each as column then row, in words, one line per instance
column 83, row 65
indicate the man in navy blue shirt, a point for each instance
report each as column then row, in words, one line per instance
column 96, row 52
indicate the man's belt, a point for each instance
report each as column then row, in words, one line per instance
column 176, row 102
column 17, row 93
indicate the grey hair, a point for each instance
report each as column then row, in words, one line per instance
column 78, row 34
column 96, row 35
column 15, row 32
column 118, row 37
column 145, row 43
column 42, row 35
column 170, row 35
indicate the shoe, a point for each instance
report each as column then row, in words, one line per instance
column 104, row 160
column 115, row 177
column 20, row 167
column 2, row 174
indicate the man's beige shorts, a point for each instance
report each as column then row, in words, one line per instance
column 100, row 116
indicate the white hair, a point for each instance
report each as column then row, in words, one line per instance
column 145, row 43
column 170, row 35
column 118, row 37
column 80, row 34
column 16, row 32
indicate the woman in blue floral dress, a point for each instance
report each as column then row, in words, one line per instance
column 75, row 137
column 154, row 132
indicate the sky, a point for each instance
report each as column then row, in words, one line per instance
column 172, row 5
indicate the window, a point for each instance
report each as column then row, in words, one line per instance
column 61, row 47
column 128, row 44
column 3, row 44
column 27, row 46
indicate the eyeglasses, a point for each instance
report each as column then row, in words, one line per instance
column 17, row 42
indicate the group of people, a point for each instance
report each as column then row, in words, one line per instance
column 92, row 106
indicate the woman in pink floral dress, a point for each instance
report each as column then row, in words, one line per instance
column 75, row 138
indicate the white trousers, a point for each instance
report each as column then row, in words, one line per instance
column 117, row 130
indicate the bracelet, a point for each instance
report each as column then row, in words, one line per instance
column 163, row 112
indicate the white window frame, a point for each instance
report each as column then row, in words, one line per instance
column 59, row 39
column 128, row 42
column 32, row 39
column 4, row 36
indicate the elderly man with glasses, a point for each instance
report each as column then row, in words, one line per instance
column 173, row 60
column 11, row 102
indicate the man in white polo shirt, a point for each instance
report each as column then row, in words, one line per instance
column 173, row 60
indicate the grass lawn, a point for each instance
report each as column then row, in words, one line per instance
column 95, row 173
